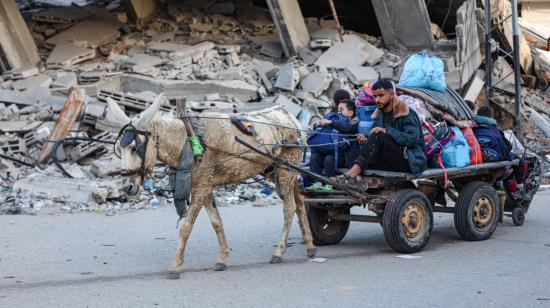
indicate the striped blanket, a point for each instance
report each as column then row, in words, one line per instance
column 448, row 105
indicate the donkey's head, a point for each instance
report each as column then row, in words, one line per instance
column 137, row 142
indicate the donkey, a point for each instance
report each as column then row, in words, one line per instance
column 225, row 162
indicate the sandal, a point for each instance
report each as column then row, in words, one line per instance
column 351, row 182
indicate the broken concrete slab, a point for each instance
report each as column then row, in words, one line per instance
column 540, row 122
column 290, row 24
column 292, row 106
column 476, row 86
column 62, row 189
column 66, row 54
column 358, row 74
column 272, row 49
column 17, row 46
column 34, row 81
column 309, row 57
column 315, row 83
column 65, row 80
column 105, row 166
column 287, row 78
column 61, row 15
column 404, row 23
column 354, row 51
column 22, row 73
column 86, row 148
column 191, row 51
column 91, row 32
column 320, row 44
column 18, row 126
column 157, row 47
column 13, row 144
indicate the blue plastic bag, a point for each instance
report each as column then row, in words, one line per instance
column 456, row 152
column 423, row 71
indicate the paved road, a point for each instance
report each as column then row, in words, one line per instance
column 86, row 260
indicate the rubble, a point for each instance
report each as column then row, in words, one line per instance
column 59, row 80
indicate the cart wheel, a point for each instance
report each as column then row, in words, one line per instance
column 408, row 221
column 477, row 211
column 326, row 231
column 518, row 216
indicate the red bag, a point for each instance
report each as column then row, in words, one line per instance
column 475, row 149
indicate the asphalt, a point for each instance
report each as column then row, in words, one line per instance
column 89, row 260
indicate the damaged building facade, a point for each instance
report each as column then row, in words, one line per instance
column 60, row 64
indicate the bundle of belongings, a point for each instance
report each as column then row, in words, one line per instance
column 456, row 137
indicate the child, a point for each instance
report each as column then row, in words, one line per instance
column 348, row 127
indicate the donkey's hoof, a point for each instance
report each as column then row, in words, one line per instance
column 174, row 275
column 311, row 252
column 276, row 259
column 220, row 267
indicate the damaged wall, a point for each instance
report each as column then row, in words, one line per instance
column 17, row 47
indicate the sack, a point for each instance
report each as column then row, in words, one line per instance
column 423, row 71
column 365, row 97
column 456, row 152
column 328, row 140
column 418, row 106
column 493, row 143
column 475, row 148
column 436, row 136
column 524, row 183
column 517, row 147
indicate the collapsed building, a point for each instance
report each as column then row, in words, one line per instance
column 61, row 60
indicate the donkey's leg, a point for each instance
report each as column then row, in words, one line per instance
column 197, row 202
column 285, row 181
column 304, row 224
column 216, row 221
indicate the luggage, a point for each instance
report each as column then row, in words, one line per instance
column 436, row 136
column 456, row 152
column 493, row 143
column 328, row 140
column 423, row 71
column 418, row 106
column 475, row 149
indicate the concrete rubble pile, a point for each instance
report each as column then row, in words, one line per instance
column 218, row 55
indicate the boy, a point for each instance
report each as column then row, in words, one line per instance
column 319, row 161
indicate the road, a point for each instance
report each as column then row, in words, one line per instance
column 88, row 260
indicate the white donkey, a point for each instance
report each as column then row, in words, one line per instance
column 163, row 139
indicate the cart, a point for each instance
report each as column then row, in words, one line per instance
column 404, row 204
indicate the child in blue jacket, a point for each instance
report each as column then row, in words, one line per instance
column 319, row 161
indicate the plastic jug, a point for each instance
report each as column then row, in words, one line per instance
column 364, row 114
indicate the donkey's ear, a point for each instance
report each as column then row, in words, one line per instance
column 147, row 115
column 115, row 114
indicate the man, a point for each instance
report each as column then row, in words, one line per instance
column 339, row 96
column 396, row 141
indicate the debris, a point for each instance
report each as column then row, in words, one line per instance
column 17, row 46
column 540, row 122
column 65, row 55
column 476, row 86
column 69, row 114
column 358, row 74
column 90, row 32
column 404, row 23
column 287, row 77
column 315, row 83
column 290, row 24
column 317, row 260
column 354, row 51
column 272, row 49
column 39, row 80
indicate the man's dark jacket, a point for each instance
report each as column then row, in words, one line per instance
column 406, row 129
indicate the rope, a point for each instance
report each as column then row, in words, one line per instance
column 268, row 124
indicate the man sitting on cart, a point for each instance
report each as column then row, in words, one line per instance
column 396, row 141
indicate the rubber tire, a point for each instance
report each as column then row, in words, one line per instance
column 321, row 238
column 518, row 216
column 467, row 198
column 393, row 228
